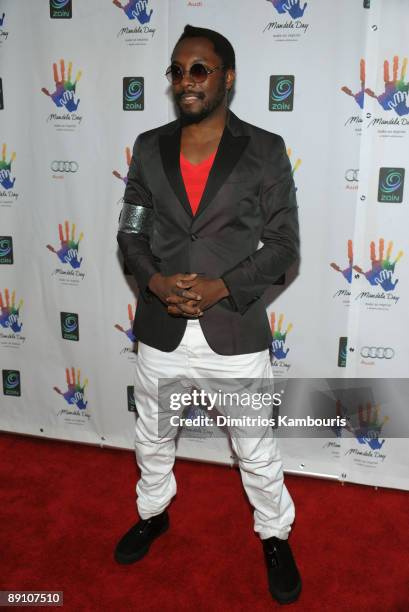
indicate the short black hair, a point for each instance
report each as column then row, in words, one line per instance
column 222, row 47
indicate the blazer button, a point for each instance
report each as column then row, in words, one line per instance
column 194, row 237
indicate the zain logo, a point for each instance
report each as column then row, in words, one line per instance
column 342, row 352
column 60, row 9
column 391, row 184
column 131, row 399
column 133, row 93
column 6, row 250
column 281, row 93
column 283, row 89
column 11, row 382
column 70, row 324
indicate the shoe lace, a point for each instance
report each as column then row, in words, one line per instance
column 273, row 556
column 144, row 524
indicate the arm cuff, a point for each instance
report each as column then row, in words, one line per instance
column 135, row 219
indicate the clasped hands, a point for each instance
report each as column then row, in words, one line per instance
column 188, row 295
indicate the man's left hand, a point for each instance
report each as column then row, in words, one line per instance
column 211, row 290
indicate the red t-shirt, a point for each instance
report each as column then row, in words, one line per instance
column 195, row 178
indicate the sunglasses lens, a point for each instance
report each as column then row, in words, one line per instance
column 174, row 74
column 198, row 73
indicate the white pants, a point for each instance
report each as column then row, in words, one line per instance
column 259, row 458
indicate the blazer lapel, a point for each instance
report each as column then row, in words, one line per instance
column 169, row 146
column 230, row 149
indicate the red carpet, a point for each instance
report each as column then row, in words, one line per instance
column 64, row 506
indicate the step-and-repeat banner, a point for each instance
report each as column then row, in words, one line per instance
column 79, row 80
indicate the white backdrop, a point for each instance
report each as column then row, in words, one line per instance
column 64, row 151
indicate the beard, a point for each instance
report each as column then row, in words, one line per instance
column 189, row 117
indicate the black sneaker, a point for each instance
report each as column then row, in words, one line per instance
column 136, row 542
column 283, row 577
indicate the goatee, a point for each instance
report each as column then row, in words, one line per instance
column 189, row 118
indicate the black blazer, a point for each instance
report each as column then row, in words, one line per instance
column 249, row 197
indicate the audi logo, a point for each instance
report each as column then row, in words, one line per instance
column 377, row 352
column 351, row 175
column 64, row 166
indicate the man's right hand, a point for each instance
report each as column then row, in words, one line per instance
column 165, row 286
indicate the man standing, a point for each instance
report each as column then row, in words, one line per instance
column 202, row 192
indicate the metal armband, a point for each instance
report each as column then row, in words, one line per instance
column 135, row 219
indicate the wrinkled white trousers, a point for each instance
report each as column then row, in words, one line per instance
column 259, row 458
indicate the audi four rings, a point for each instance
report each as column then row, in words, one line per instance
column 377, row 352
column 351, row 175
column 64, row 166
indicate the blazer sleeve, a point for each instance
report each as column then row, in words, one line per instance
column 135, row 223
column 248, row 280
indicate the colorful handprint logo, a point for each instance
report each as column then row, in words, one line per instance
column 395, row 94
column 128, row 332
column 359, row 95
column 382, row 267
column 5, row 169
column 64, row 94
column 295, row 166
column 291, row 7
column 75, row 391
column 297, row 163
column 277, row 347
column 369, row 426
column 347, row 272
column 68, row 251
column 128, row 161
column 136, row 9
column 9, row 312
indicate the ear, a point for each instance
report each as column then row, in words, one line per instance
column 230, row 78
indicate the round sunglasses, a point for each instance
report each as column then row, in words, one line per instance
column 198, row 72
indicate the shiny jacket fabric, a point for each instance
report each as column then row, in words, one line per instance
column 249, row 198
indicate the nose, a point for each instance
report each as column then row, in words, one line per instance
column 187, row 78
